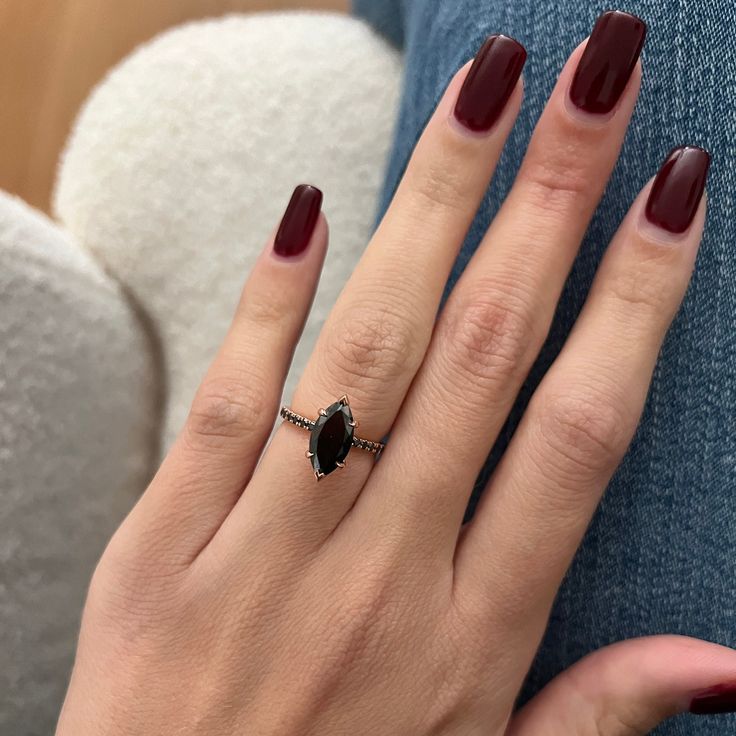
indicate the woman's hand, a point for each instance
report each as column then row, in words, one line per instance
column 241, row 597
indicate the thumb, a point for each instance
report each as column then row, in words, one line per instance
column 631, row 687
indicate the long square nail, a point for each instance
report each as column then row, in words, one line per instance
column 678, row 188
column 298, row 222
column 490, row 82
column 608, row 61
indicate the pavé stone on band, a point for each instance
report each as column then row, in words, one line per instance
column 333, row 436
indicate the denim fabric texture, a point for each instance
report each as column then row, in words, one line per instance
column 660, row 556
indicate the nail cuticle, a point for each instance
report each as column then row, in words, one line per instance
column 589, row 119
column 657, row 237
column 461, row 129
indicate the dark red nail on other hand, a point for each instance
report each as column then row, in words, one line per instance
column 608, row 61
column 490, row 82
column 299, row 220
column 715, row 701
column 678, row 189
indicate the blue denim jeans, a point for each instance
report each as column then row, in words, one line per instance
column 660, row 555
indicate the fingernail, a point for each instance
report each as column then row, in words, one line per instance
column 678, row 188
column 490, row 83
column 717, row 700
column 608, row 61
column 299, row 220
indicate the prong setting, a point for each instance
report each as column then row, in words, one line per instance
column 332, row 436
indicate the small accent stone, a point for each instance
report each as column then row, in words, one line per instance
column 332, row 438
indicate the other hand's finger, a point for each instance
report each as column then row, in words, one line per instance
column 631, row 687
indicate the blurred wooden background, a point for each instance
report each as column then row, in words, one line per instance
column 53, row 51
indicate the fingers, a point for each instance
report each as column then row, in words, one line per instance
column 499, row 313
column 630, row 688
column 583, row 415
column 234, row 410
column 376, row 336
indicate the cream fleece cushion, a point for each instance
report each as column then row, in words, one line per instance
column 184, row 158
column 76, row 439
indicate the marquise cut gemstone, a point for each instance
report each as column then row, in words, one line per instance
column 332, row 438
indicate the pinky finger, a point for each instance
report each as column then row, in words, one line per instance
column 235, row 407
column 631, row 687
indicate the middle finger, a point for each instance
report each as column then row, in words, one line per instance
column 498, row 316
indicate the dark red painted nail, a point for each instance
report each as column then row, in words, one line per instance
column 490, row 82
column 678, row 189
column 609, row 59
column 714, row 701
column 298, row 222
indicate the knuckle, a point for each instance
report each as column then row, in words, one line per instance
column 440, row 183
column 268, row 310
column 490, row 336
column 557, row 182
column 358, row 625
column 222, row 412
column 585, row 429
column 132, row 594
column 379, row 346
column 639, row 290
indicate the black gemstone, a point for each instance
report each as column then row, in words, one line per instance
column 332, row 438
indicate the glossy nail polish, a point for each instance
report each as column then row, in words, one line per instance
column 298, row 222
column 678, row 188
column 717, row 700
column 608, row 61
column 490, row 83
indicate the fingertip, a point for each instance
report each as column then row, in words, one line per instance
column 321, row 235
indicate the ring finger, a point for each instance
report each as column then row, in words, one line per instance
column 377, row 334
column 497, row 318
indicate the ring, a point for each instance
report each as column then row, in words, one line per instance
column 333, row 436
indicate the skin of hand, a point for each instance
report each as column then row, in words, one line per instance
column 240, row 596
